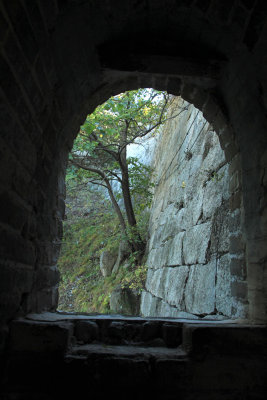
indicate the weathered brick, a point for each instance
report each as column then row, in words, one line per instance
column 200, row 99
column 235, row 200
column 16, row 278
column 3, row 28
column 256, row 23
column 210, row 109
column 15, row 248
column 12, row 92
column 46, row 277
column 249, row 4
column 40, row 300
column 40, row 337
column 239, row 17
column 230, row 151
column 22, row 28
column 174, row 86
column 86, row 331
column 11, row 213
column 188, row 92
column 238, row 267
column 234, row 181
column 36, row 21
column 49, row 11
column 47, row 252
column 235, row 164
column 7, row 159
column 172, row 334
column 203, row 5
column 219, row 11
column 239, row 290
column 9, row 304
column 236, row 244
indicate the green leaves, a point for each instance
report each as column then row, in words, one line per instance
column 99, row 154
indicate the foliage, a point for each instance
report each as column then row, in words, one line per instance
column 94, row 224
column 82, row 287
column 99, row 155
column 135, row 278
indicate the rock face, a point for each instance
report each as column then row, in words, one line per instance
column 189, row 251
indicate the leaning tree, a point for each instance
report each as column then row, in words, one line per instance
column 100, row 152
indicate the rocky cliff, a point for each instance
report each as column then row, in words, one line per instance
column 188, row 252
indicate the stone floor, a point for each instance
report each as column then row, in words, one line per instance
column 54, row 355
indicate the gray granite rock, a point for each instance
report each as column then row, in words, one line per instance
column 191, row 229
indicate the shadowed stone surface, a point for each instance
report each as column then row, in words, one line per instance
column 155, row 357
column 59, row 60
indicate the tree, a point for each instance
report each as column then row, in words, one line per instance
column 100, row 151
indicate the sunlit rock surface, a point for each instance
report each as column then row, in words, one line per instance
column 189, row 252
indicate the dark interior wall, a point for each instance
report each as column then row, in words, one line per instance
column 60, row 59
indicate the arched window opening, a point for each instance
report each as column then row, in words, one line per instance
column 109, row 195
column 162, row 248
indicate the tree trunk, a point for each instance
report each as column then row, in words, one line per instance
column 116, row 208
column 111, row 195
column 137, row 242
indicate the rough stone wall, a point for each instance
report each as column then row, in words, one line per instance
column 53, row 73
column 189, row 255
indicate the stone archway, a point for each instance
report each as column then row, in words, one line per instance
column 58, row 63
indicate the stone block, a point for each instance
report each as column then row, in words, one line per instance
column 235, row 164
column 46, row 277
column 257, row 250
column 195, row 243
column 235, row 221
column 149, row 304
column 223, row 286
column 239, row 290
column 200, row 99
column 234, row 182
column 230, row 151
column 39, row 337
column 150, row 331
column 154, row 258
column 172, row 334
column 165, row 310
column 86, row 331
column 15, row 248
column 238, row 267
column 107, row 261
column 117, row 332
column 42, row 299
column 212, row 198
column 172, row 371
column 200, row 289
column 210, row 109
column 14, row 276
column 194, row 209
column 237, row 245
column 12, row 213
column 9, row 305
column 188, row 92
column 174, row 253
column 220, row 241
column 229, row 340
column 174, row 86
column 155, row 282
column 174, row 286
column 235, row 200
